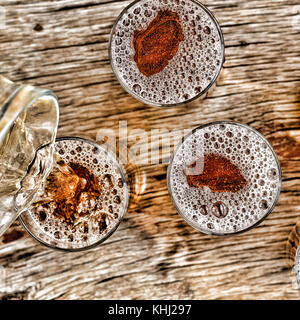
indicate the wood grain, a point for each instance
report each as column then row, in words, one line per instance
column 63, row 45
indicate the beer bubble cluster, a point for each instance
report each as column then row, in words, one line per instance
column 226, row 212
column 190, row 72
column 94, row 225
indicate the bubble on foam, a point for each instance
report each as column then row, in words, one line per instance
column 196, row 63
column 90, row 228
column 226, row 212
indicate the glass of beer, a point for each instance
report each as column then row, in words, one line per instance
column 224, row 178
column 83, row 200
column 296, row 267
column 28, row 125
column 293, row 255
column 166, row 53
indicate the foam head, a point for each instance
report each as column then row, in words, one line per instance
column 224, row 178
column 192, row 64
column 82, row 201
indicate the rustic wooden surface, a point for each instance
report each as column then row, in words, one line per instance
column 63, row 45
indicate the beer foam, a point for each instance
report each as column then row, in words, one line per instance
column 87, row 229
column 192, row 70
column 226, row 212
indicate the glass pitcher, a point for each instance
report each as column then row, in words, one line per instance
column 28, row 125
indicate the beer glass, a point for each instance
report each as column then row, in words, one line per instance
column 28, row 125
column 293, row 254
column 296, row 268
column 224, row 178
column 166, row 53
column 83, row 200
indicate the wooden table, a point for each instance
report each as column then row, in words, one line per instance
column 63, row 45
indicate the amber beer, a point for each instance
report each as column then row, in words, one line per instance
column 83, row 200
column 224, row 178
column 166, row 53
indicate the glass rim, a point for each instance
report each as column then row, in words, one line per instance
column 296, row 266
column 39, row 93
column 191, row 223
column 167, row 105
column 120, row 218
